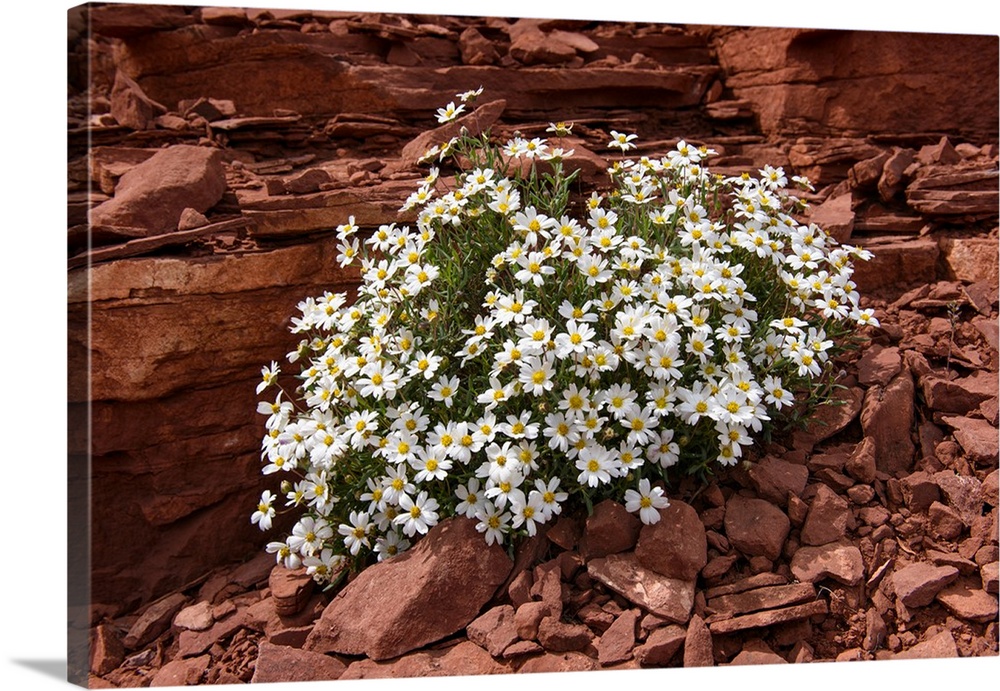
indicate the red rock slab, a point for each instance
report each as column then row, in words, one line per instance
column 617, row 642
column 670, row 598
column 840, row 561
column 290, row 588
column 887, row 417
column 559, row 662
column 978, row 438
column 756, row 527
column 609, row 529
column 465, row 658
column 280, row 663
column 771, row 597
column 769, row 617
column 828, row 519
column 698, row 649
column 106, row 650
column 557, row 636
column 827, row 420
column 154, row 621
column 182, row 672
column 879, row 365
column 774, row 479
column 969, row 603
column 425, row 594
column 760, row 580
column 660, row 646
column 675, row 546
column 990, row 575
column 958, row 395
column 495, row 630
column 758, row 657
column 940, row 645
column 917, row 584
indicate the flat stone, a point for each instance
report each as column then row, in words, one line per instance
column 522, row 648
column 559, row 662
column 153, row 621
column 676, row 545
column 756, row 527
column 761, row 580
column 945, row 523
column 991, row 489
column 758, row 657
column 977, row 437
column 698, row 649
column 281, row 664
column 372, row 614
column 968, row 603
column 660, row 646
column 887, row 417
column 861, row 463
column 196, row 617
column 463, row 659
column 829, row 419
column 990, row 574
column 561, row 637
column 829, row 518
column 840, row 561
column 528, row 616
column 963, row 493
column 290, row 588
column 962, row 395
column 182, row 672
column 774, row 479
column 917, row 584
column 879, row 365
column 938, row 646
column 609, row 529
column 617, row 642
column 670, row 598
column 919, row 490
column 769, row 617
column 495, row 630
column 106, row 650
column 769, row 597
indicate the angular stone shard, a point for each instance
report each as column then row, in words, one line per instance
column 670, row 598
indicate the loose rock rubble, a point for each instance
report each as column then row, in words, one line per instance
column 870, row 534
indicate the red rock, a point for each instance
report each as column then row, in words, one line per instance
column 476, row 49
column 897, row 262
column 719, row 566
column 919, row 490
column 964, row 494
column 547, row 586
column 660, row 646
column 698, row 650
column 961, row 395
column 797, row 510
column 990, row 573
column 939, row 645
column 291, row 589
column 560, row 637
column 968, row 603
column 991, row 489
column 464, row 659
column 773, row 479
column 192, row 643
column 945, row 522
column 917, row 584
column 559, row 662
column 154, row 621
column 307, row 181
column 191, row 219
column 196, row 617
column 106, row 650
column 829, row 419
column 756, row 527
column 879, row 365
column 964, row 566
column 373, row 614
column 861, row 464
column 894, row 173
column 153, row 194
column 182, row 672
column 861, row 495
column 609, row 529
column 565, row 532
column 768, row 618
column 281, row 664
column 840, row 561
column 828, row 520
column 535, row 47
column 876, row 631
column 887, row 417
column 675, row 546
column 519, row 590
column 495, row 630
column 769, row 597
column 978, row 438
column 761, row 580
column 617, row 642
column 596, row 617
column 670, row 598
column 835, row 216
column 757, row 657
column 522, row 648
column 130, row 106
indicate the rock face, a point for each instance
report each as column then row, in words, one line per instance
column 422, row 596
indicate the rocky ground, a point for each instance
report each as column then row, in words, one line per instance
column 870, row 535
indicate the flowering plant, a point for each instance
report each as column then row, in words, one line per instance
column 510, row 354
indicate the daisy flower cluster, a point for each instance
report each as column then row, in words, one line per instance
column 519, row 350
